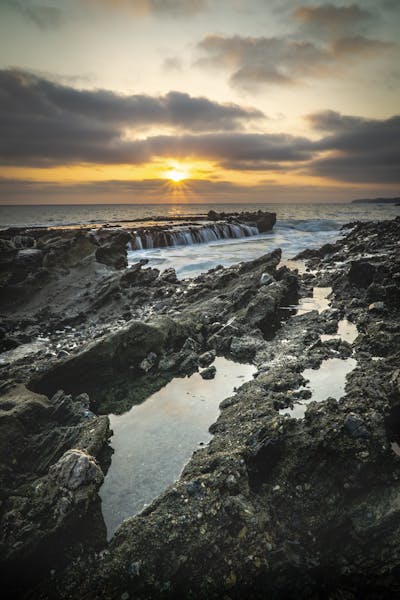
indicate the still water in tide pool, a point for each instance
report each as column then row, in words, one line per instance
column 154, row 440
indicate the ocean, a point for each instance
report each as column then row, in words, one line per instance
column 298, row 226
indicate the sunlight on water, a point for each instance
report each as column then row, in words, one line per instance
column 293, row 214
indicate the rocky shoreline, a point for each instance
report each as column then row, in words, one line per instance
column 274, row 505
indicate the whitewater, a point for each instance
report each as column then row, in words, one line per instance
column 298, row 226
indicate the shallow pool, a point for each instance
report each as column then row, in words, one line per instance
column 153, row 441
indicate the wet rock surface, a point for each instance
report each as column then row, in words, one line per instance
column 274, row 505
column 264, row 221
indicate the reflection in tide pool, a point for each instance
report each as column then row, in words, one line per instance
column 319, row 301
column 154, row 440
column 346, row 331
column 328, row 381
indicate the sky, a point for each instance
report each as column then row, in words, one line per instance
column 147, row 101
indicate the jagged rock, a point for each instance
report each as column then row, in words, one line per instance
column 209, row 372
column 244, row 347
column 272, row 505
column 29, row 259
column 355, row 426
column 66, row 252
column 167, row 363
column 361, row 273
column 191, row 345
column 264, row 221
column 169, row 275
column 136, row 275
column 24, row 241
column 207, row 358
column 149, row 362
column 76, row 469
column 57, row 478
column 189, row 362
column 112, row 255
column 103, row 358
column 261, row 311
column 266, row 279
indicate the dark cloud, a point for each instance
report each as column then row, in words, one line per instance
column 242, row 148
column 330, row 120
column 148, row 7
column 249, row 165
column 357, row 46
column 254, row 60
column 335, row 19
column 324, row 40
column 43, row 16
column 359, row 150
column 45, row 122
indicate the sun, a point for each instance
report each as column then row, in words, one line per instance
column 176, row 175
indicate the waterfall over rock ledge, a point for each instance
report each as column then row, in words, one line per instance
column 187, row 236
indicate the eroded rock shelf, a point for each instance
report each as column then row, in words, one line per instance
column 272, row 505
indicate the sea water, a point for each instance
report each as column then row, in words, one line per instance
column 298, row 226
column 154, row 440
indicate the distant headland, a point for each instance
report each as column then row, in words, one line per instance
column 377, row 201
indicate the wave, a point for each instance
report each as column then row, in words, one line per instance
column 309, row 225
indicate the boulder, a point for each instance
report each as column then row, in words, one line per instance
column 361, row 273
column 29, row 259
column 76, row 469
column 112, row 255
column 113, row 250
column 169, row 276
column 209, row 372
column 206, row 358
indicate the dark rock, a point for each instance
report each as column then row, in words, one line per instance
column 206, row 358
column 29, row 259
column 355, row 426
column 245, row 347
column 112, row 255
column 377, row 307
column 266, row 279
column 24, row 241
column 189, row 362
column 361, row 273
column 76, row 469
column 264, row 221
column 209, row 372
column 138, row 276
column 169, row 275
column 191, row 345
column 149, row 362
